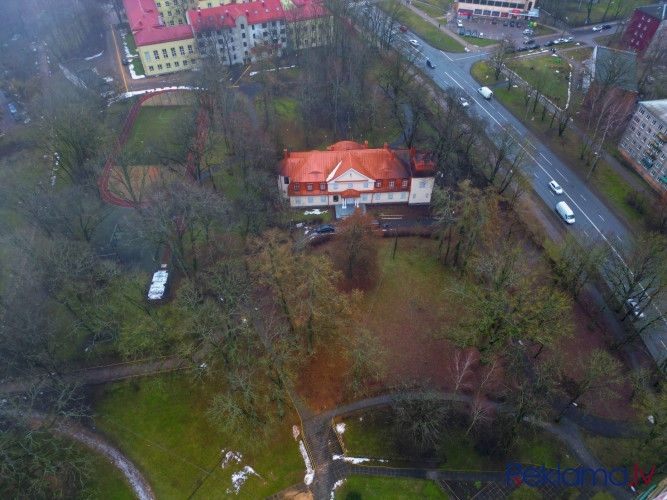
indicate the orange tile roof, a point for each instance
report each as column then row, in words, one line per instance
column 317, row 166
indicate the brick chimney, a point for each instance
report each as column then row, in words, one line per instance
column 392, row 156
column 366, row 144
column 285, row 154
column 386, row 145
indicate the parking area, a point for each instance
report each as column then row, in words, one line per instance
column 496, row 31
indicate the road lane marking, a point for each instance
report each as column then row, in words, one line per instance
column 619, row 238
column 561, row 174
column 582, row 197
column 480, row 106
column 547, row 159
column 586, row 234
column 600, row 217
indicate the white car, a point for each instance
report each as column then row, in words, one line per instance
column 459, row 24
column 597, row 28
column 632, row 306
column 527, row 31
column 464, row 102
column 553, row 185
column 414, row 43
column 481, row 34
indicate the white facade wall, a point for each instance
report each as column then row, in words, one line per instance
column 420, row 190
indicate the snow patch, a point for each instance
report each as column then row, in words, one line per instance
column 134, row 75
column 253, row 73
column 93, row 57
column 340, row 428
column 310, row 472
column 357, row 460
column 230, row 456
column 315, row 211
column 338, row 483
column 295, row 432
column 240, row 477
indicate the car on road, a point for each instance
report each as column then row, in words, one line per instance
column 327, row 228
column 494, row 21
column 527, row 31
column 606, row 26
column 565, row 212
column 553, row 185
column 430, row 64
column 505, row 22
column 528, row 40
column 597, row 28
column 462, row 31
column 464, row 102
column 485, row 92
column 549, row 43
column 474, row 33
column 459, row 23
column 521, row 48
column 632, row 306
column 568, row 39
column 481, row 34
column 467, row 32
column 511, row 24
column 534, row 46
column 414, row 43
column 519, row 24
column 404, row 29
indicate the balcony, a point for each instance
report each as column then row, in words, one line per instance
column 646, row 162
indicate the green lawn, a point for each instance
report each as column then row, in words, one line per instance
column 546, row 69
column 381, row 488
column 371, row 434
column 481, row 42
column 160, row 425
column 430, row 10
column 579, row 54
column 107, row 482
column 156, row 130
column 438, row 38
column 131, row 45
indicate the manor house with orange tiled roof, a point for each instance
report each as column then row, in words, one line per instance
column 350, row 174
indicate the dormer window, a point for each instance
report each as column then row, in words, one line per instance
column 309, row 187
column 296, row 187
column 378, row 184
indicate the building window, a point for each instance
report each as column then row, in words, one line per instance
column 177, row 64
column 405, row 183
column 173, row 52
column 364, row 197
column 310, row 199
column 638, row 134
column 390, row 196
column 642, row 126
column 150, row 68
column 309, row 187
column 297, row 187
column 349, row 186
column 378, row 197
column 169, row 14
column 653, row 122
column 404, row 195
column 632, row 128
column 391, row 184
column 180, row 21
column 181, row 49
column 166, row 4
column 242, row 35
column 243, row 26
column 159, row 67
column 641, row 111
column 245, row 44
column 297, row 200
column 335, row 187
column 171, row 23
column 190, row 51
column 378, row 184
column 164, row 53
column 168, row 65
column 156, row 54
column 422, row 184
column 365, row 185
column 323, row 187
column 623, row 145
column 185, row 62
column 158, row 4
column 323, row 199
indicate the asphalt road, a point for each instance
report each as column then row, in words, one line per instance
column 593, row 219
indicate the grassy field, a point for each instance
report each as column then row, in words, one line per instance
column 577, row 12
column 546, row 69
column 428, row 32
column 109, row 483
column 160, row 425
column 481, row 42
column 430, row 10
column 156, row 131
column 604, row 179
column 380, row 488
column 579, row 54
column 372, row 435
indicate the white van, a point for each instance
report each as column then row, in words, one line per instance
column 485, row 92
column 565, row 212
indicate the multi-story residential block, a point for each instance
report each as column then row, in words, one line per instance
column 517, row 9
column 162, row 48
column 174, row 12
column 309, row 24
column 643, row 142
column 240, row 32
column 647, row 24
column 349, row 174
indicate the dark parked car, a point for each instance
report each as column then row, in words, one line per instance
column 125, row 62
column 462, row 31
column 534, row 46
column 519, row 24
column 327, row 228
column 606, row 26
column 509, row 49
column 404, row 29
column 474, row 33
column 430, row 64
column 505, row 22
column 511, row 24
column 528, row 40
column 549, row 43
column 494, row 21
column 522, row 48
column 467, row 32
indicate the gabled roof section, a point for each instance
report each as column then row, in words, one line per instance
column 657, row 108
column 658, row 11
column 225, row 16
column 147, row 26
column 617, row 68
column 303, row 10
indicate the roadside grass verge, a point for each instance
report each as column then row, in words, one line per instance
column 481, row 42
column 381, row 488
column 430, row 10
column 429, row 33
column 131, row 45
column 579, row 55
column 160, row 424
column 604, row 179
column 372, row 434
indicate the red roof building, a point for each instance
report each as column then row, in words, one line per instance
column 348, row 173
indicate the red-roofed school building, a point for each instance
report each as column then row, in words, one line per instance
column 350, row 174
